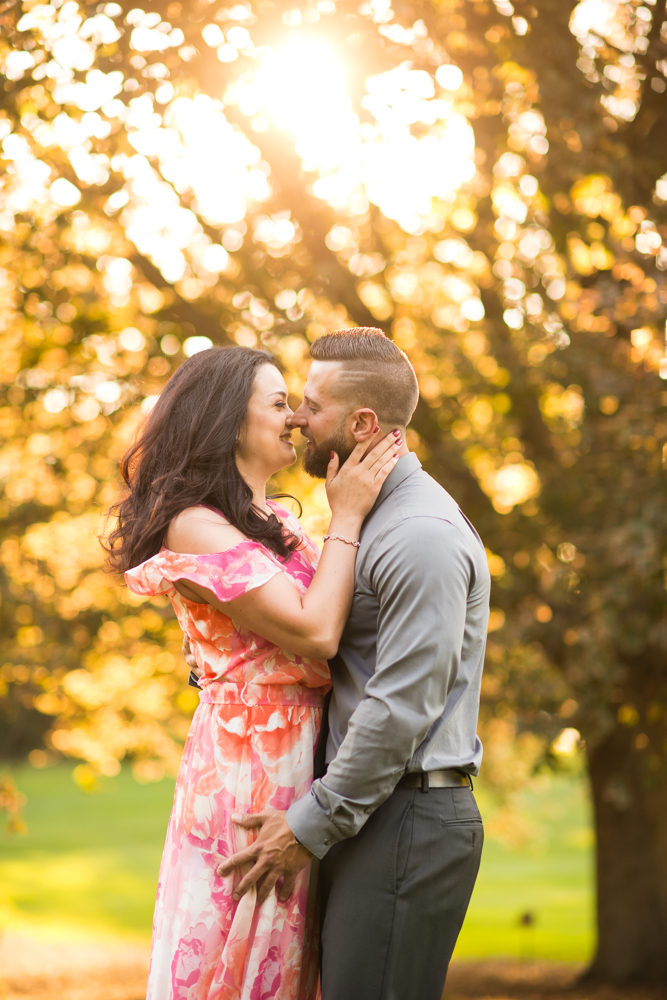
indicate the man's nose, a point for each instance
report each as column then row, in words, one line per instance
column 298, row 418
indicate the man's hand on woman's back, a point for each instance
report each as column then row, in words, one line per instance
column 189, row 658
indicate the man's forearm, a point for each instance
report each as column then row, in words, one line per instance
column 369, row 764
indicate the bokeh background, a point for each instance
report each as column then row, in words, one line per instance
column 485, row 181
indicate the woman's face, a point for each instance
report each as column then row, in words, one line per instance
column 266, row 445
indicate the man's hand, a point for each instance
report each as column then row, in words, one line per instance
column 274, row 855
column 189, row 658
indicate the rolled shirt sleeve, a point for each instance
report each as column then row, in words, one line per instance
column 421, row 573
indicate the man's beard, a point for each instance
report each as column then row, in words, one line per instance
column 316, row 458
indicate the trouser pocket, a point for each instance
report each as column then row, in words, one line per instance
column 402, row 849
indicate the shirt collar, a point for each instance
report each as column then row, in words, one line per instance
column 405, row 467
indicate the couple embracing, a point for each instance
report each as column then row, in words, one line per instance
column 277, row 883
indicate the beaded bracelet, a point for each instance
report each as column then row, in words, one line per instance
column 339, row 538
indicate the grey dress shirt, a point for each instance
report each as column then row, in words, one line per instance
column 407, row 675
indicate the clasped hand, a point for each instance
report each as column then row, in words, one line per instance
column 274, row 855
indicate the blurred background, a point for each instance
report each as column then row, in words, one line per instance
column 486, row 182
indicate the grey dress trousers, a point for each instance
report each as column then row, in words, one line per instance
column 395, row 895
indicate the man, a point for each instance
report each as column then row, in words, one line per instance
column 393, row 819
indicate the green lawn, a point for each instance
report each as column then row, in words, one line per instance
column 89, row 864
column 549, row 876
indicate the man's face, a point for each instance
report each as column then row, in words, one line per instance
column 322, row 418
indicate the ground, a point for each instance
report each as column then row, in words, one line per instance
column 38, row 970
column 34, row 969
column 503, row 980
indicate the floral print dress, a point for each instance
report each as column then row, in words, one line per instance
column 250, row 748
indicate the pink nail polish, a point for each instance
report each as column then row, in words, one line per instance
column 396, row 433
column 331, row 455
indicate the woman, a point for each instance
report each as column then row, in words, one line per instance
column 261, row 617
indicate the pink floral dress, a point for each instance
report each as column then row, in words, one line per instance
column 249, row 749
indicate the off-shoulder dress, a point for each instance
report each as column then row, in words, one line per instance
column 250, row 748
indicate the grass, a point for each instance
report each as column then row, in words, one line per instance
column 548, row 876
column 89, row 862
column 88, row 866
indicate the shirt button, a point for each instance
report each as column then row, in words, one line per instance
column 327, row 843
column 367, row 809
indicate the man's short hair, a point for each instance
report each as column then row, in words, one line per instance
column 374, row 372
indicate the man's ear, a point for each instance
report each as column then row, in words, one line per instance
column 363, row 424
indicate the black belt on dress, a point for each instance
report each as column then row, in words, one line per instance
column 435, row 779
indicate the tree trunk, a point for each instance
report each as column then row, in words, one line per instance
column 630, row 803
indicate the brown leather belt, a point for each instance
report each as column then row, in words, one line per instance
column 424, row 780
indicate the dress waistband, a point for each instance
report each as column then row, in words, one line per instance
column 231, row 693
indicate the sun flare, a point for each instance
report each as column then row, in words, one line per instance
column 302, row 88
column 404, row 147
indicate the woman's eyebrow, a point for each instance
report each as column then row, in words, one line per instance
column 278, row 392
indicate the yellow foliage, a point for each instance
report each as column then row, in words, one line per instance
column 563, row 409
column 376, row 299
column 96, row 307
column 594, row 196
column 85, row 777
column 496, row 563
column 11, row 803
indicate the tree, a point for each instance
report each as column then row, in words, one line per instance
column 484, row 182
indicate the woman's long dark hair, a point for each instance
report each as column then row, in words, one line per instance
column 184, row 456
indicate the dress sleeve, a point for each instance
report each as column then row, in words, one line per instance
column 228, row 574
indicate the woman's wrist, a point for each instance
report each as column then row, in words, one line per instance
column 345, row 524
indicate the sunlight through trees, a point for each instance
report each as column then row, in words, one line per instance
column 486, row 182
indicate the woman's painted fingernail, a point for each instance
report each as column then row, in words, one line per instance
column 396, row 433
column 375, row 430
column 331, row 454
column 399, row 442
